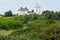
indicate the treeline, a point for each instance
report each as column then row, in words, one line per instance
column 8, row 14
column 45, row 14
column 51, row 15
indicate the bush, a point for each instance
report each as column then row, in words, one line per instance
column 19, row 18
column 40, row 23
column 50, row 33
column 9, row 23
column 36, row 33
column 26, row 18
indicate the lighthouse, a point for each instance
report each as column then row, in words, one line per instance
column 36, row 7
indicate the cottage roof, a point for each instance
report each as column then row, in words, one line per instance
column 23, row 9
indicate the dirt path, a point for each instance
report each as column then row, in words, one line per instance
column 5, row 33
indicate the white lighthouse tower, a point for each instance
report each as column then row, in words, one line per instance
column 36, row 8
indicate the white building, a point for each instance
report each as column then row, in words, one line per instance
column 36, row 8
column 23, row 11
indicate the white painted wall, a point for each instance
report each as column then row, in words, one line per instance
column 22, row 13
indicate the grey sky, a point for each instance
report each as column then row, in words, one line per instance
column 14, row 5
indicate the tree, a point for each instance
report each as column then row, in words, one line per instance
column 51, row 15
column 8, row 13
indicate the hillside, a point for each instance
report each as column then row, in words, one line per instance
column 31, row 27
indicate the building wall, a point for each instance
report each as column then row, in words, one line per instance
column 22, row 13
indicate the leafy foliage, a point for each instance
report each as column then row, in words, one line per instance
column 51, row 15
column 26, row 18
column 6, row 23
column 36, row 33
column 8, row 13
column 33, row 26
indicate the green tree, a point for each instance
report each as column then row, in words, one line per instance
column 51, row 15
column 8, row 13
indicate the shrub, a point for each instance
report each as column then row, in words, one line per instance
column 8, row 23
column 40, row 23
column 36, row 33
